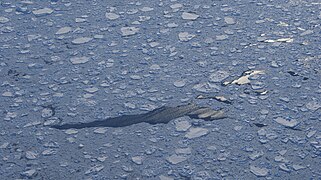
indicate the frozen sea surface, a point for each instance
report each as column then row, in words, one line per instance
column 79, row 61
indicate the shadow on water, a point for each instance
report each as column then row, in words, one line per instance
column 161, row 115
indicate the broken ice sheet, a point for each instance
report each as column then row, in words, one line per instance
column 175, row 159
column 244, row 79
column 183, row 151
column 261, row 172
column 287, row 123
column 218, row 76
column 189, row 16
column 185, row 36
column 47, row 112
column 313, row 105
column 71, row 131
column 31, row 155
column 287, row 40
column 4, row 19
column 63, row 30
column 311, row 133
column 91, row 89
column 137, row 160
column 229, row 20
column 146, row 9
column 112, row 16
column 176, row 6
column 221, row 37
column 81, row 40
column 79, row 60
column 95, row 168
column 42, row 12
column 298, row 167
column 7, row 94
column 196, row 132
column 218, row 98
column 30, row 174
column 179, row 83
column 182, row 125
column 256, row 154
column 101, row 130
column 206, row 87
column 128, row 31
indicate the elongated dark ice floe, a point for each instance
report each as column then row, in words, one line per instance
column 161, row 115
